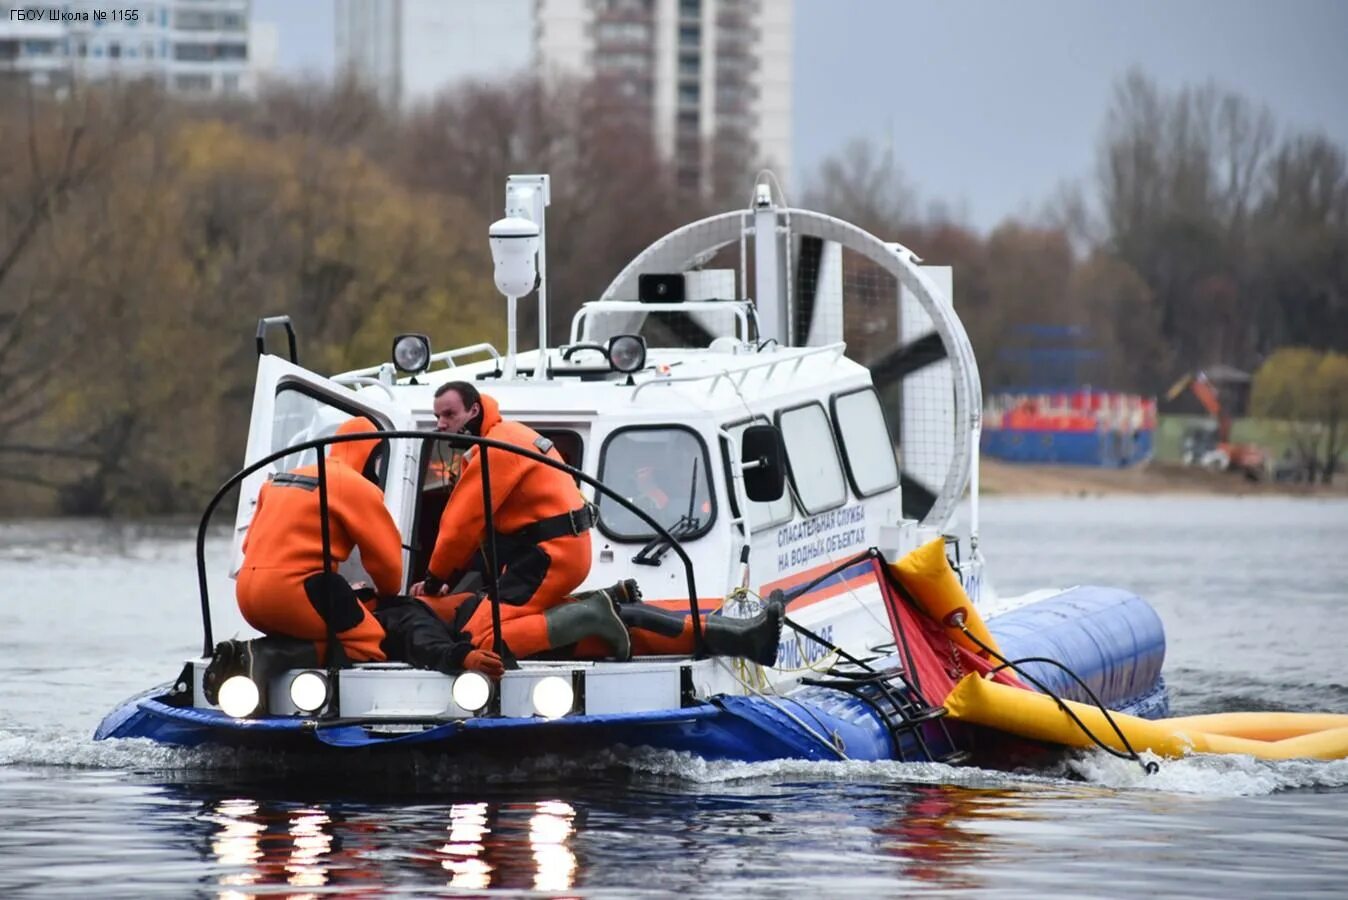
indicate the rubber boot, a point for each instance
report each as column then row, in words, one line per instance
column 624, row 592
column 591, row 614
column 259, row 659
column 755, row 638
column 227, row 660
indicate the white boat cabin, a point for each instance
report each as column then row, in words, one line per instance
column 662, row 426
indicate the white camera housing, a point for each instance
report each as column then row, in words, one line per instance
column 514, row 249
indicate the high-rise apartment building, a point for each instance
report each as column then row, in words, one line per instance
column 187, row 46
column 705, row 71
column 409, row 49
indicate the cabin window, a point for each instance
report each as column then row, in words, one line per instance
column 812, row 456
column 762, row 515
column 300, row 416
column 665, row 472
column 868, row 451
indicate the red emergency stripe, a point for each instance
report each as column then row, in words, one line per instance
column 821, row 593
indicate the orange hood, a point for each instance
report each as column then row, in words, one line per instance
column 355, row 453
column 491, row 413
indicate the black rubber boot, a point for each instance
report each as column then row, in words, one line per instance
column 591, row 614
column 227, row 660
column 624, row 592
column 259, row 659
column 755, row 638
column 274, row 654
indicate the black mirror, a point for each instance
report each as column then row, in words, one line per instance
column 764, row 460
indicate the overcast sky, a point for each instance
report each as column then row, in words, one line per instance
column 991, row 104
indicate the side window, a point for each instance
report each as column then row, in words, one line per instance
column 867, row 449
column 816, row 473
column 663, row 471
column 763, row 515
column 300, row 416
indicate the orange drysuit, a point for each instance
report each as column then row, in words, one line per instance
column 284, row 548
column 529, row 499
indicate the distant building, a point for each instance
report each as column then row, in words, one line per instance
column 408, row 49
column 195, row 47
column 705, row 70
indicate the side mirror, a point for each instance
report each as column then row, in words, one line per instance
column 763, row 458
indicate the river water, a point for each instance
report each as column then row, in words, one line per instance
column 1252, row 591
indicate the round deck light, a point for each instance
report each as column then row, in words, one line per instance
column 553, row 697
column 238, row 696
column 471, row 691
column 309, row 691
column 412, row 352
column 627, row 352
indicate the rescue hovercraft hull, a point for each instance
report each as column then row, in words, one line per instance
column 1113, row 639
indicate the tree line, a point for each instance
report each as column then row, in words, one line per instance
column 141, row 238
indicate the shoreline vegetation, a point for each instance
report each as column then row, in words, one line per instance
column 1002, row 479
column 143, row 236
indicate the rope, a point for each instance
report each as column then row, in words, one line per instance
column 1150, row 768
column 784, row 711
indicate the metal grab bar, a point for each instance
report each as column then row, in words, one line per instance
column 444, row 355
column 740, row 308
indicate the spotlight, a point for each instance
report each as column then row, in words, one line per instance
column 553, row 697
column 412, row 352
column 627, row 352
column 309, row 691
column 238, row 696
column 471, row 691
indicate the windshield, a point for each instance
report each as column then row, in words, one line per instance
column 664, row 472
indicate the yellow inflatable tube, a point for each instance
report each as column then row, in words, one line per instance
column 926, row 574
column 1038, row 717
column 1261, row 726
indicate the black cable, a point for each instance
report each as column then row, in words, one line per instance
column 1150, row 768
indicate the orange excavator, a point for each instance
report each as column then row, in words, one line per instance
column 1211, row 447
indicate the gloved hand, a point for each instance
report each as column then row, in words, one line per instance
column 429, row 587
column 486, row 662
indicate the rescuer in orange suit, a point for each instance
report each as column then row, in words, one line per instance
column 541, row 519
column 284, row 592
column 281, row 585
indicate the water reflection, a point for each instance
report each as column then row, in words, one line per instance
column 261, row 844
column 930, row 837
column 557, row 840
column 271, row 844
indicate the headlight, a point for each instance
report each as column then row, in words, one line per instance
column 627, row 352
column 412, row 352
column 553, row 697
column 471, row 691
column 238, row 696
column 309, row 691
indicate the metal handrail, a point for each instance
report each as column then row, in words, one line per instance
column 740, row 309
column 455, row 440
column 444, row 355
column 795, row 357
column 364, row 381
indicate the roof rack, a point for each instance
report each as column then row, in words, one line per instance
column 742, row 309
column 783, row 356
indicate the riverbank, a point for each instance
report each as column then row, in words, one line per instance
column 997, row 477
